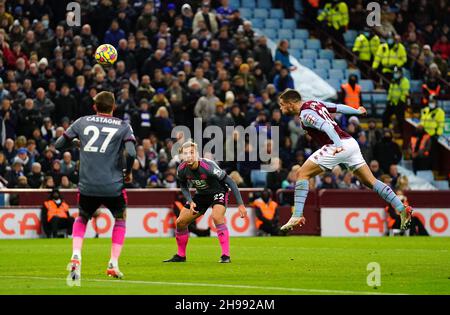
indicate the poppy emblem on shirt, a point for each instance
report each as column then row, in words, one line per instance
column 203, row 176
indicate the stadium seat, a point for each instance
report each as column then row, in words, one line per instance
column 379, row 98
column 308, row 63
column 379, row 109
column 301, row 34
column 270, row 33
column 276, row 14
column 249, row 4
column 257, row 23
column 323, row 64
column 289, row 23
column 357, row 72
column 445, row 105
column 366, row 99
column 261, row 13
column 326, row 54
column 335, row 83
column 246, row 13
column 263, row 3
column 297, row 43
column 441, row 184
column 258, row 178
column 366, row 85
column 416, row 86
column 340, row 64
column 296, row 53
column 309, row 54
column 313, row 44
column 349, row 37
column 321, row 72
column 427, row 175
column 285, row 34
column 337, row 74
column 272, row 23
column 235, row 4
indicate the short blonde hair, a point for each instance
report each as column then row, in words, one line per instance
column 188, row 144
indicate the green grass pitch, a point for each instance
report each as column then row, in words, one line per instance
column 271, row 265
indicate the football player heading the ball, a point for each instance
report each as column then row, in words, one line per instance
column 338, row 148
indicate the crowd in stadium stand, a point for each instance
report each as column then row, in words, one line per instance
column 175, row 62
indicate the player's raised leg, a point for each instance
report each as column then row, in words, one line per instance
column 218, row 215
column 182, row 233
column 384, row 191
column 309, row 169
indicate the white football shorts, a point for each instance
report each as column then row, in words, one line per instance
column 351, row 157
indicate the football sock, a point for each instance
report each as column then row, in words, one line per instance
column 301, row 191
column 118, row 237
column 182, row 237
column 224, row 238
column 388, row 195
column 79, row 229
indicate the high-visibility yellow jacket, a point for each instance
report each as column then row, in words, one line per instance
column 389, row 58
column 398, row 91
column 335, row 15
column 365, row 47
column 433, row 120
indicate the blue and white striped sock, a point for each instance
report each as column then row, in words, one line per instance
column 301, row 191
column 388, row 195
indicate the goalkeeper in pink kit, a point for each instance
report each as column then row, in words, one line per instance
column 338, row 148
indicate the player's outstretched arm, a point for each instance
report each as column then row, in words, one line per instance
column 344, row 109
column 234, row 188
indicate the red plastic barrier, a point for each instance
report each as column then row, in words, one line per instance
column 136, row 197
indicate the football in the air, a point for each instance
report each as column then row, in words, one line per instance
column 106, row 54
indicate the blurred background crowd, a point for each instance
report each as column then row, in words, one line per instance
column 178, row 60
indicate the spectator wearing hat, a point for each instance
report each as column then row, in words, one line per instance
column 209, row 18
column 160, row 100
column 16, row 171
column 427, row 54
column 22, row 158
column 48, row 129
column 353, row 127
